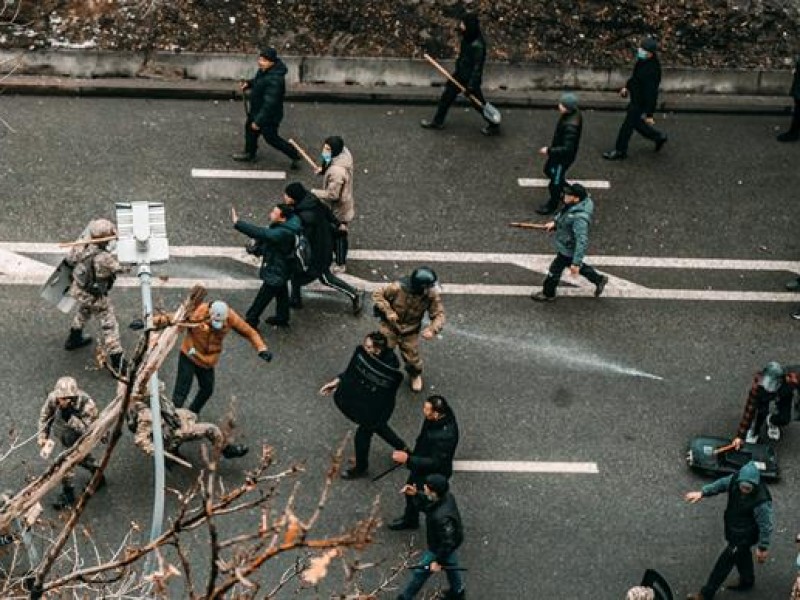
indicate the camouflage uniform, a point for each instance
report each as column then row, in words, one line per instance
column 188, row 429
column 95, row 302
column 68, row 424
column 397, row 299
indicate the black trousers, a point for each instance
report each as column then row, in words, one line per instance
column 783, row 409
column 634, row 121
column 739, row 556
column 561, row 262
column 264, row 296
column 270, row 133
column 187, row 371
column 557, row 173
column 326, row 278
column 447, row 98
column 341, row 246
column 363, row 440
column 794, row 128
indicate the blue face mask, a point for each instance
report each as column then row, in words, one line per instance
column 642, row 54
column 325, row 157
column 217, row 325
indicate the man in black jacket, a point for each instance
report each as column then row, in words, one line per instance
column 274, row 244
column 433, row 453
column 320, row 226
column 267, row 90
column 642, row 88
column 469, row 73
column 562, row 150
column 793, row 134
column 444, row 535
column 365, row 393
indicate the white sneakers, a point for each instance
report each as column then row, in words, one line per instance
column 773, row 431
column 416, row 384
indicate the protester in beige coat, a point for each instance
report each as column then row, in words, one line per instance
column 337, row 192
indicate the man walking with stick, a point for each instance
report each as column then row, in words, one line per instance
column 468, row 73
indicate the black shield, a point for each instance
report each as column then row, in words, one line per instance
column 367, row 390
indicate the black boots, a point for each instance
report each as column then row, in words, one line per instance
column 66, row 498
column 244, row 157
column 354, row 473
column 403, row 523
column 234, row 450
column 77, row 340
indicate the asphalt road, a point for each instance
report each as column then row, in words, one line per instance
column 562, row 382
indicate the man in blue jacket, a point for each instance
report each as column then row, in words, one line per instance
column 642, row 89
column 275, row 245
column 571, row 225
column 749, row 521
column 267, row 90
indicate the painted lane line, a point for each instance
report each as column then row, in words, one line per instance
column 237, row 174
column 517, row 466
column 598, row 184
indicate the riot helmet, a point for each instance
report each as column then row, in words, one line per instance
column 66, row 387
column 771, row 377
column 422, row 279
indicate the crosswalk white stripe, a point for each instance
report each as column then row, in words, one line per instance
column 237, row 174
column 599, row 184
column 518, row 466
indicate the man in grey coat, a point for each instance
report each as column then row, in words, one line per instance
column 571, row 225
column 793, row 134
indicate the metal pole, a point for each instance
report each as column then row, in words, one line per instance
column 155, row 409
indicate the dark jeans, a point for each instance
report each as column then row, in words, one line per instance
column 634, row 121
column 448, row 97
column 561, row 262
column 783, row 409
column 187, row 371
column 363, row 439
column 341, row 246
column 264, row 296
column 741, row 557
column 326, row 278
column 270, row 133
column 557, row 173
column 420, row 576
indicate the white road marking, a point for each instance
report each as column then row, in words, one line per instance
column 237, row 174
column 516, row 466
column 598, row 184
column 16, row 269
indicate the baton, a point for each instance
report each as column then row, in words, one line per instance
column 305, row 155
column 724, row 449
column 428, row 568
column 523, row 225
column 387, row 471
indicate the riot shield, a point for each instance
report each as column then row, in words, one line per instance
column 367, row 390
column 56, row 288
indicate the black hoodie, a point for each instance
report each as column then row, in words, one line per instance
column 471, row 54
column 267, row 90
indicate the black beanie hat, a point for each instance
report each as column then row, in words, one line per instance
column 437, row 483
column 269, row 53
column 295, row 191
column 576, row 189
column 336, row 143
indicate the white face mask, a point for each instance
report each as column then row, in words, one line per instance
column 217, row 325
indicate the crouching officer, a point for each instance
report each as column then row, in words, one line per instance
column 179, row 427
column 433, row 453
column 444, row 534
column 772, row 383
column 401, row 306
column 94, row 270
column 66, row 414
column 365, row 393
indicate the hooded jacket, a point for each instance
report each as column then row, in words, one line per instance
column 572, row 229
column 643, row 85
column 319, row 225
column 337, row 186
column 267, row 90
column 749, row 518
column 471, row 55
column 276, row 247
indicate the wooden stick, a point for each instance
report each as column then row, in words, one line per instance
column 305, row 155
column 180, row 461
column 523, row 225
column 452, row 80
column 724, row 449
column 108, row 238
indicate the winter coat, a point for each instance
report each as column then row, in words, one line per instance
column 276, row 248
column 396, row 298
column 76, row 418
column 319, row 225
column 566, row 138
column 337, row 186
column 469, row 64
column 267, row 90
column 795, row 91
column 434, row 449
column 760, row 398
column 749, row 518
column 202, row 344
column 643, row 85
column 572, row 230
column 443, row 527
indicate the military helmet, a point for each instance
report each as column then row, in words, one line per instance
column 66, row 387
column 771, row 376
column 422, row 279
column 100, row 228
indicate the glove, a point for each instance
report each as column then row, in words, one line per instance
column 265, row 355
column 136, row 325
